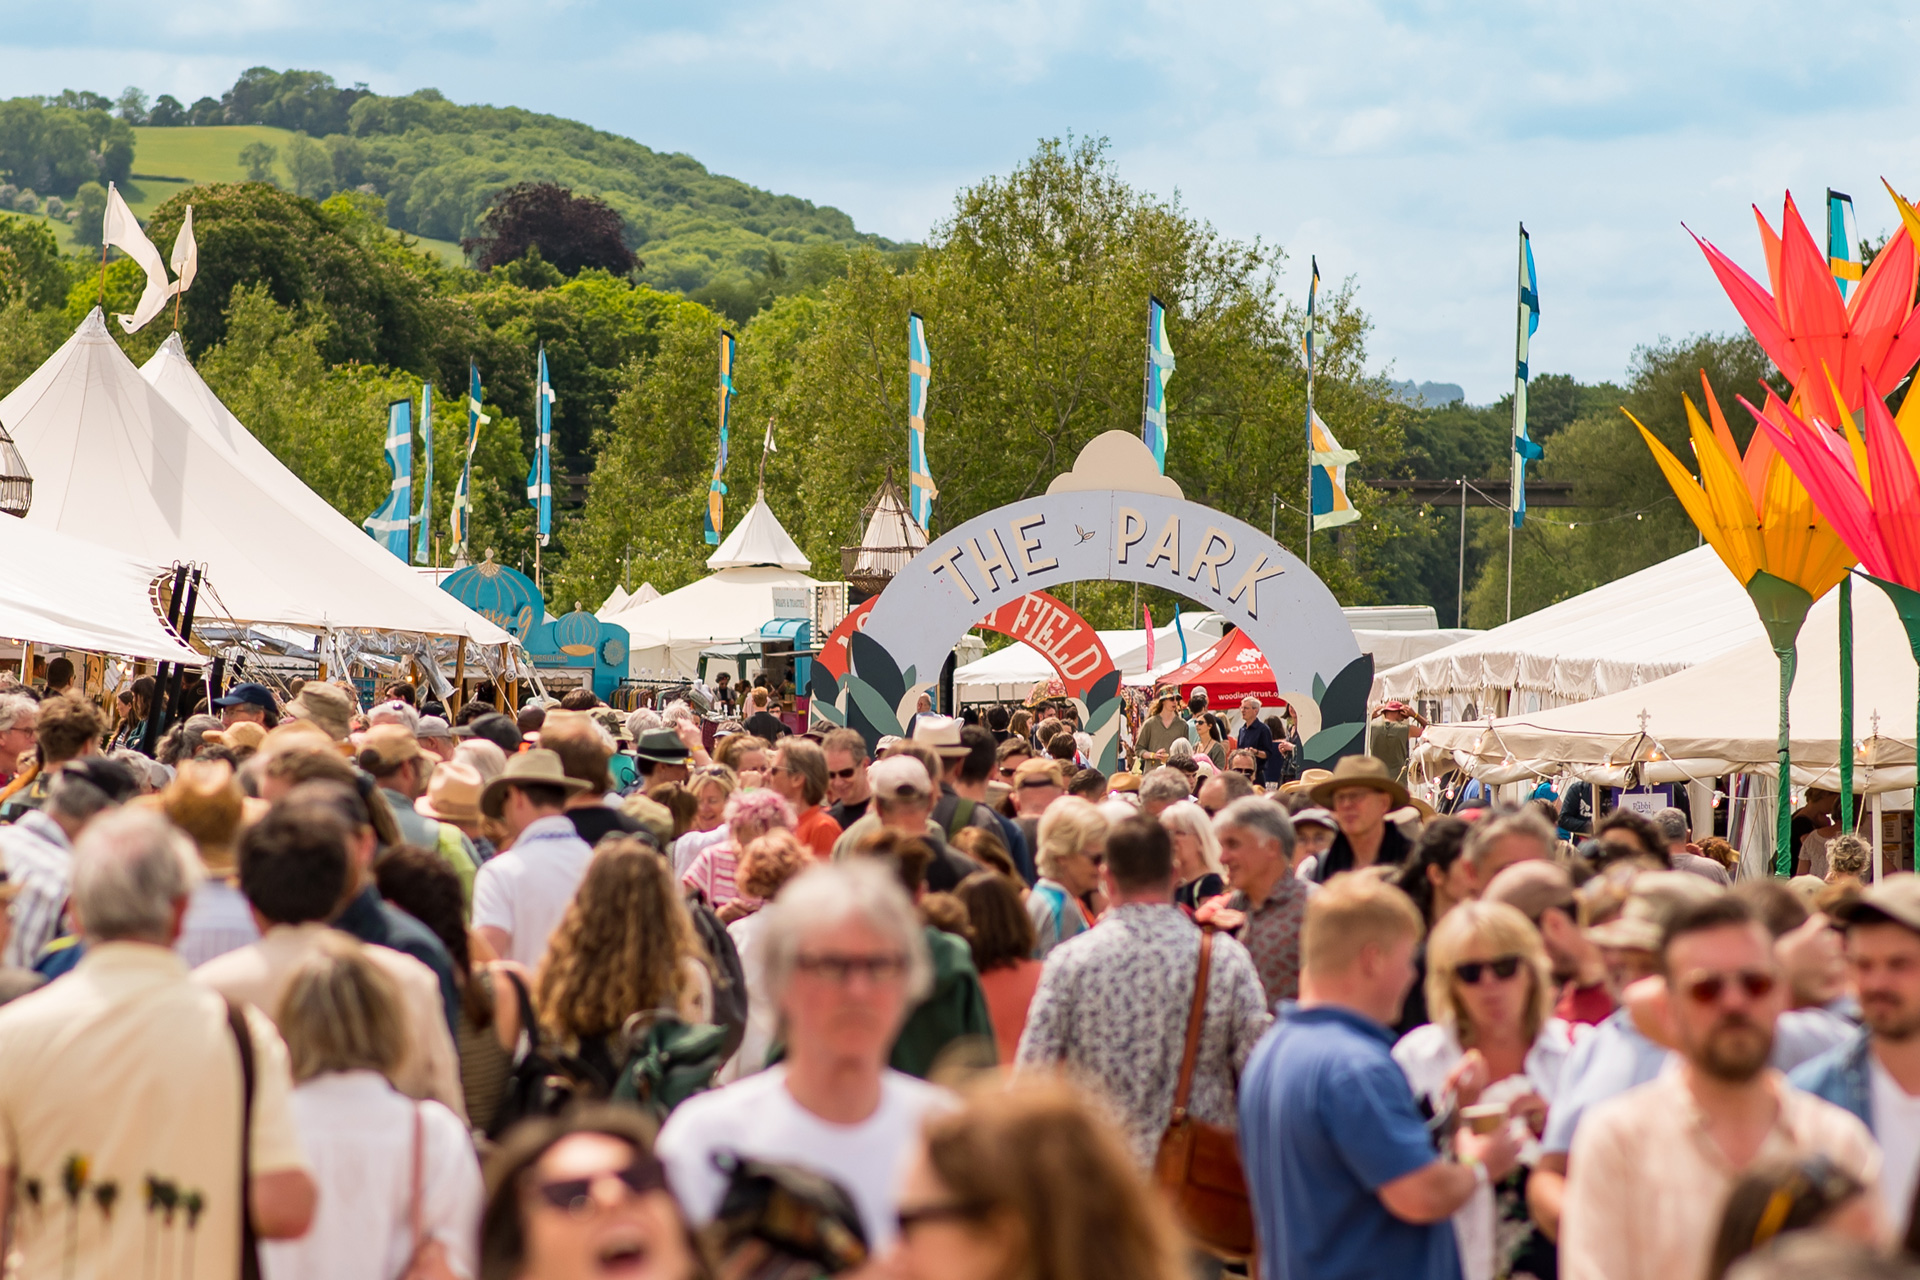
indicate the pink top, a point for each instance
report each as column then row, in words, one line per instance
column 712, row 874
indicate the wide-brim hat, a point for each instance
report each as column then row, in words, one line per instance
column 327, row 707
column 1360, row 771
column 454, row 793
column 940, row 735
column 1307, row 781
column 661, row 746
column 538, row 767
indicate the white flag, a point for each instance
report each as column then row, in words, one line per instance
column 186, row 255
column 771, row 446
column 122, row 230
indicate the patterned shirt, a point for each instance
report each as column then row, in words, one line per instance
column 1272, row 936
column 39, row 860
column 1112, row 1011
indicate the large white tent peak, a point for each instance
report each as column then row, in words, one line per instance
column 173, row 375
column 1630, row 631
column 116, row 463
column 759, row 539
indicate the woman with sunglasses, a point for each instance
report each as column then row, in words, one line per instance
column 1196, row 855
column 1774, row 1198
column 1493, row 1043
column 1210, row 733
column 584, row 1196
column 712, row 786
column 1032, row 1183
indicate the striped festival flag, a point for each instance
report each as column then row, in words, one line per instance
column 1153, row 424
column 463, row 494
column 540, row 475
column 1524, row 449
column 1843, row 241
column 423, row 540
column 390, row 524
column 920, row 488
column 716, row 518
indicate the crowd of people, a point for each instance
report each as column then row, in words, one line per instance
column 324, row 990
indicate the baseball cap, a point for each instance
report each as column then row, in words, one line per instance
column 1896, row 898
column 249, row 694
column 897, row 777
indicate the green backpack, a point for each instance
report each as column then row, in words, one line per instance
column 669, row 1062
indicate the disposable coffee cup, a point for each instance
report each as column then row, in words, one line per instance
column 1485, row 1117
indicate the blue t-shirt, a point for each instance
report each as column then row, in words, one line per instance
column 1327, row 1119
column 1257, row 738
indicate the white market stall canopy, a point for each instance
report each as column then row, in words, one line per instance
column 1721, row 716
column 117, row 464
column 426, row 607
column 1009, row 674
column 1628, row 632
column 64, row 593
column 759, row 577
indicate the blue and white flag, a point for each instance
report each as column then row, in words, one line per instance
column 1153, row 426
column 1524, row 449
column 920, row 488
column 463, row 494
column 540, row 474
column 716, row 517
column 1843, row 241
column 423, row 540
column 390, row 525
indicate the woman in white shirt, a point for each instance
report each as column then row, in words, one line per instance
column 396, row 1177
column 1493, row 1042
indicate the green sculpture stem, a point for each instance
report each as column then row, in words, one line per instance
column 1782, row 606
column 1846, row 703
column 1906, row 603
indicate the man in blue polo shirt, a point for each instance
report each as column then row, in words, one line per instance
column 1344, row 1175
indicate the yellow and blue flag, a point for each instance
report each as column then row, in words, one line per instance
column 1331, row 506
column 920, row 488
column 423, row 541
column 463, row 492
column 390, row 524
column 1843, row 241
column 1524, row 448
column 716, row 518
column 540, row 475
column 1153, row 427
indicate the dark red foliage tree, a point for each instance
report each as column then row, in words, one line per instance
column 574, row 233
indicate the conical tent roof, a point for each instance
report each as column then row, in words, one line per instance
column 892, row 538
column 174, row 376
column 67, row 593
column 116, row 463
column 759, row 540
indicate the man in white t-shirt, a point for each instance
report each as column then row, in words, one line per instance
column 844, row 961
column 519, row 896
column 1875, row 1073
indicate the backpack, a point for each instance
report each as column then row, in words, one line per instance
column 729, row 975
column 538, row 1083
column 783, row 1222
column 962, row 815
column 668, row 1061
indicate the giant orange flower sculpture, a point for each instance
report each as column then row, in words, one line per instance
column 1806, row 327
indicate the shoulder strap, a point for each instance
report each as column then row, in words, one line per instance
column 243, row 1042
column 1195, row 1018
column 962, row 814
column 529, row 1022
column 416, row 1214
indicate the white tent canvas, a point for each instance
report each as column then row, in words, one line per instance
column 666, row 635
column 1721, row 716
column 66, row 593
column 759, row 539
column 410, row 600
column 1628, row 632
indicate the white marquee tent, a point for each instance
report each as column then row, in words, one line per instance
column 759, row 574
column 66, row 593
column 1720, row 716
column 115, row 463
column 429, row 608
column 1633, row 630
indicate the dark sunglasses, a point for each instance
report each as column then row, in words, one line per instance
column 841, row 775
column 1710, row 987
column 841, row 969
column 1472, row 971
column 1245, row 773
column 910, row 1218
column 575, row 1195
column 1033, row 784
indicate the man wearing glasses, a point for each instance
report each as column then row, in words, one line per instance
column 847, row 786
column 845, row 961
column 1650, row 1169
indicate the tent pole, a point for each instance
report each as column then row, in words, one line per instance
column 459, row 673
column 1879, row 838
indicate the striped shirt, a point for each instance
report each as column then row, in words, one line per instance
column 39, row 860
column 712, row 874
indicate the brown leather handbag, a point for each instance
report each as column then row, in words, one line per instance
column 1198, row 1165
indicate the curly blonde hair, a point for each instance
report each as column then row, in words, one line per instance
column 622, row 947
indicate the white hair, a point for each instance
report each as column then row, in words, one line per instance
column 642, row 720
column 1165, row 784
column 129, row 869
column 819, row 900
column 1193, row 820
column 1265, row 818
column 395, row 712
column 1179, row 749
column 13, row 706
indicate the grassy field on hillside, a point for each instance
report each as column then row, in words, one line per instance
column 168, row 161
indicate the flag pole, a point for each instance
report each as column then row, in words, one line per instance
column 1311, row 291
column 1519, row 412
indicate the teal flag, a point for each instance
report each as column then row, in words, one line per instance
column 390, row 524
column 540, row 475
column 1524, row 448
column 1153, row 427
column 920, row 489
column 423, row 539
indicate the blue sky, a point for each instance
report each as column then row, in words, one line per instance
column 1401, row 143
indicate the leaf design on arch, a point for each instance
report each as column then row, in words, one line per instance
column 877, row 668
column 822, row 686
column 1328, row 745
column 1106, row 687
column 1103, row 712
column 873, row 707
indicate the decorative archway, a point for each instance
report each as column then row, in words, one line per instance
column 1052, row 629
column 1113, row 517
